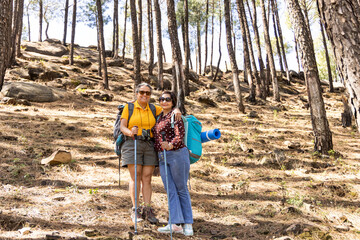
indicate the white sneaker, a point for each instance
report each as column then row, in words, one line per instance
column 175, row 229
column 188, row 230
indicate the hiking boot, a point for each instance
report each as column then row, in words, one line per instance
column 188, row 230
column 148, row 214
column 138, row 216
column 175, row 229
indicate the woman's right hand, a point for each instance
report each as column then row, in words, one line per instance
column 133, row 131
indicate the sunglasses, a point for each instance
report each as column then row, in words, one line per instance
column 167, row 99
column 144, row 92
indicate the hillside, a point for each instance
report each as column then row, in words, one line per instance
column 260, row 180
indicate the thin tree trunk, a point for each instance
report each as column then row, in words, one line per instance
column 65, row 21
column 40, row 19
column 270, row 54
column 28, row 21
column 115, row 49
column 136, row 43
column 322, row 133
column 198, row 34
column 100, row 58
column 276, row 37
column 258, row 49
column 220, row 54
column 297, row 53
column 327, row 58
column 206, row 34
column 46, row 20
column 212, row 38
column 139, row 24
column 186, row 48
column 105, row 84
column 71, row 61
column 234, row 67
column 246, row 49
column 275, row 8
column 124, row 35
column 151, row 37
column 159, row 44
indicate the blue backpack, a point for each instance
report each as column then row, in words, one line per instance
column 192, row 138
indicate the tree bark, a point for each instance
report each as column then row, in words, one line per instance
column 275, row 8
column 176, row 55
column 139, row 24
column 115, row 49
column 322, row 133
column 220, row 53
column 102, row 44
column 198, row 35
column 206, row 34
column 341, row 20
column 71, row 61
column 159, row 44
column 247, row 50
column 124, row 35
column 151, row 37
column 269, row 53
column 65, row 21
column 17, row 31
column 186, row 47
column 5, row 34
column 276, row 37
column 212, row 38
column 258, row 49
column 136, row 43
column 297, row 53
column 234, row 67
column 40, row 20
column 327, row 58
column 28, row 21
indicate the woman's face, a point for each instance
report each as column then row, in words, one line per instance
column 143, row 95
column 165, row 102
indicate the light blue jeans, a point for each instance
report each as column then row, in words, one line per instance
column 178, row 167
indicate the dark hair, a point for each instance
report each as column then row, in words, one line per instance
column 172, row 96
column 143, row 85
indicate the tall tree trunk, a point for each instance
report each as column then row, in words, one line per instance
column 186, row 48
column 5, row 35
column 269, row 53
column 176, row 55
column 71, row 61
column 159, row 44
column 28, row 21
column 124, row 35
column 100, row 57
column 322, row 133
column 46, row 20
column 276, row 37
column 247, row 50
column 275, row 8
column 327, row 57
column 115, row 49
column 139, row 24
column 40, row 20
column 341, row 20
column 212, row 38
column 234, row 67
column 206, row 34
column 151, row 37
column 17, row 31
column 258, row 49
column 66, row 9
column 297, row 53
column 136, row 43
column 102, row 44
column 220, row 53
column 198, row 34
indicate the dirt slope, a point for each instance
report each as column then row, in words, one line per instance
column 248, row 185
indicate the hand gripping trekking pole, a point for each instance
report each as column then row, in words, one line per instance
column 135, row 160
column 167, row 184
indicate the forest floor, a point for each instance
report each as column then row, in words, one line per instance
column 248, row 184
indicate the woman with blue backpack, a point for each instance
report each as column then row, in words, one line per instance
column 174, row 166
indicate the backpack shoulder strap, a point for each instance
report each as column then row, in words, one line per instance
column 153, row 109
column 131, row 110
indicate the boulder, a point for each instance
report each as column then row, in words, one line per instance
column 31, row 92
column 58, row 157
column 46, row 48
column 51, row 75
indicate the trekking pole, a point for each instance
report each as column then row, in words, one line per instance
column 167, row 184
column 135, row 159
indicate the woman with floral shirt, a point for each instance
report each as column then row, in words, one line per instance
column 178, row 166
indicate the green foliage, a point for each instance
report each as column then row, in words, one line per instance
column 89, row 13
column 321, row 58
column 93, row 191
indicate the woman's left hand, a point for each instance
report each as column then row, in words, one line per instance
column 177, row 114
column 166, row 146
